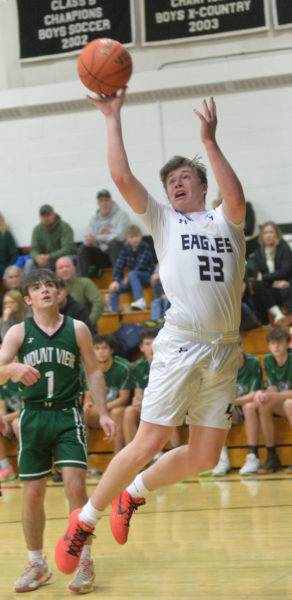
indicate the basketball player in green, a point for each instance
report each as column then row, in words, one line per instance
column 50, row 347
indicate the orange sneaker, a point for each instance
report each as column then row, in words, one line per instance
column 123, row 507
column 69, row 545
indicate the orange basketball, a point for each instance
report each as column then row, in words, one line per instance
column 104, row 66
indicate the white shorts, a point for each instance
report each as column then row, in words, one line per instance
column 191, row 381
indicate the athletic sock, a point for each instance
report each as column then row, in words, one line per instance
column 137, row 488
column 89, row 514
column 86, row 552
column 4, row 464
column 35, row 555
column 271, row 451
column 253, row 450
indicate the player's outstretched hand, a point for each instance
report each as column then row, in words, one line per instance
column 109, row 105
column 24, row 373
column 208, row 120
column 109, row 427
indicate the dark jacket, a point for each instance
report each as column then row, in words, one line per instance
column 283, row 263
column 76, row 310
column 8, row 250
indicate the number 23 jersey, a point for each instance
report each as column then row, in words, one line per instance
column 201, row 266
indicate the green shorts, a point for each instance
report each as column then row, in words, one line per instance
column 44, row 434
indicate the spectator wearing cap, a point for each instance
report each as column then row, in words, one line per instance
column 104, row 237
column 50, row 239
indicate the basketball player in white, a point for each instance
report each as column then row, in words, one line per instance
column 194, row 369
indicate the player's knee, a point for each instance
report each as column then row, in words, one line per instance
column 117, row 413
column 250, row 409
column 287, row 407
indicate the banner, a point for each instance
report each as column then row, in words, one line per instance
column 165, row 21
column 282, row 13
column 52, row 28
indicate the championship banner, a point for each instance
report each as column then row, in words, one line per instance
column 55, row 28
column 282, row 13
column 165, row 21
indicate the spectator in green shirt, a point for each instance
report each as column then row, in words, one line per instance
column 82, row 289
column 119, row 383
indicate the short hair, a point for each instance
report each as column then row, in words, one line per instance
column 133, row 230
column 180, row 161
column 7, row 271
column 278, row 333
column 62, row 284
column 46, row 209
column 148, row 334
column 105, row 338
column 38, row 276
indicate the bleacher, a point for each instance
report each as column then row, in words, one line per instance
column 100, row 452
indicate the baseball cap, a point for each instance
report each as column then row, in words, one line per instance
column 103, row 192
column 46, row 209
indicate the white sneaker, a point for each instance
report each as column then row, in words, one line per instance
column 223, row 465
column 36, row 573
column 139, row 304
column 251, row 465
column 84, row 577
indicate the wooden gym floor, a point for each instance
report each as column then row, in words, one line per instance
column 205, row 539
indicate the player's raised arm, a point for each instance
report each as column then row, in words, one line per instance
column 14, row 370
column 95, row 378
column 230, row 187
column 131, row 189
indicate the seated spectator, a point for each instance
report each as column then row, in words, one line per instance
column 82, row 289
column 8, row 250
column 248, row 317
column 136, row 256
column 249, row 380
column 141, row 373
column 70, row 307
column 104, row 237
column 10, row 404
column 273, row 269
column 12, row 279
column 118, row 377
column 277, row 398
column 14, row 311
column 160, row 303
column 50, row 239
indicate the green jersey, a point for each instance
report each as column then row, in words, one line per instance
column 118, row 377
column 281, row 377
column 249, row 377
column 57, row 358
column 141, row 373
column 10, row 392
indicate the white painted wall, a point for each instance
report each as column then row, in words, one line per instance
column 61, row 159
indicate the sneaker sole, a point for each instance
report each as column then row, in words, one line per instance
column 40, row 582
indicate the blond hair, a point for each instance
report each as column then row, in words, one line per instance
column 17, row 297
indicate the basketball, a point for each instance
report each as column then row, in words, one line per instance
column 104, row 66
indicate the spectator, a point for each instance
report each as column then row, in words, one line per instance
column 273, row 269
column 14, row 311
column 141, row 374
column 71, row 308
column 118, row 376
column 10, row 404
column 160, row 303
column 12, row 280
column 136, row 256
column 249, row 379
column 82, row 289
column 248, row 316
column 104, row 236
column 51, row 239
column 277, row 398
column 8, row 250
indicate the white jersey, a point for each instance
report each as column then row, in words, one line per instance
column 201, row 266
